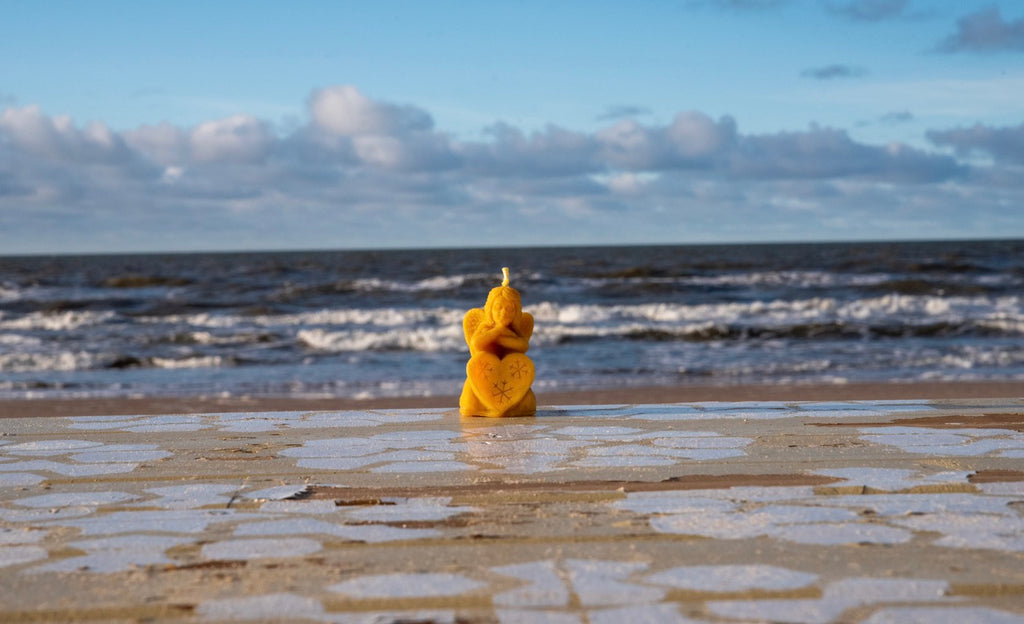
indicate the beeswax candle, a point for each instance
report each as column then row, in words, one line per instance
column 498, row 374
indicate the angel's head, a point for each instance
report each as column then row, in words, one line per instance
column 503, row 305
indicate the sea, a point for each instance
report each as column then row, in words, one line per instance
column 370, row 324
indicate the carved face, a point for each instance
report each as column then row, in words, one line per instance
column 504, row 306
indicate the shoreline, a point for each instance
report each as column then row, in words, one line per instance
column 120, row 406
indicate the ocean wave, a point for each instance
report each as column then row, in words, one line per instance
column 799, row 279
column 963, row 357
column 376, row 285
column 816, row 318
column 893, row 308
column 138, row 280
column 36, row 362
column 808, row 280
column 811, row 316
column 89, row 340
column 347, row 323
column 10, row 292
column 919, row 286
column 65, row 320
column 434, row 283
column 1004, row 323
column 197, row 361
column 383, row 317
column 123, row 361
column 708, row 332
column 39, row 362
column 416, row 339
column 206, row 338
column 19, row 341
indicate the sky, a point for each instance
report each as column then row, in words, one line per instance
column 195, row 125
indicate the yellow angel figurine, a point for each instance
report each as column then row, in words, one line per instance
column 498, row 374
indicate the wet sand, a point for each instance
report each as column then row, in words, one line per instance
column 614, row 396
column 838, row 511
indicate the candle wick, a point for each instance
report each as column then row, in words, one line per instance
column 504, row 273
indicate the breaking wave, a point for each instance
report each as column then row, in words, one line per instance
column 391, row 322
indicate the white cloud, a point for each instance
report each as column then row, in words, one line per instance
column 626, row 183
column 628, row 145
column 164, row 143
column 1003, row 143
column 58, row 139
column 827, row 153
column 346, row 111
column 379, row 150
column 237, row 139
column 695, row 136
column 347, row 127
column 692, row 140
column 357, row 165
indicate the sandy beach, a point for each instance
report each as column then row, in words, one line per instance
column 613, row 396
column 834, row 511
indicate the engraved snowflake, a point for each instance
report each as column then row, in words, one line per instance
column 501, row 391
column 517, row 370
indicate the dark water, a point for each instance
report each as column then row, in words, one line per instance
column 388, row 323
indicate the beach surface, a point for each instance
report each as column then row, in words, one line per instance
column 826, row 510
column 28, row 408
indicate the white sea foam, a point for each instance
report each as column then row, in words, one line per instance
column 383, row 317
column 903, row 308
column 418, row 339
column 9, row 292
column 34, row 362
column 965, row 357
column 209, row 338
column 208, row 361
column 439, row 328
column 998, row 313
column 19, row 341
column 1004, row 322
column 57, row 321
column 803, row 279
column 799, row 279
column 436, row 283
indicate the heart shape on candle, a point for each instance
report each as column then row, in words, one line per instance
column 500, row 384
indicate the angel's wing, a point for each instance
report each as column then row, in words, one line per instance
column 470, row 322
column 526, row 325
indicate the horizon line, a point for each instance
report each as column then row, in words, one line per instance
column 297, row 250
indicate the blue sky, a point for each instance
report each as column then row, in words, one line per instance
column 128, row 126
